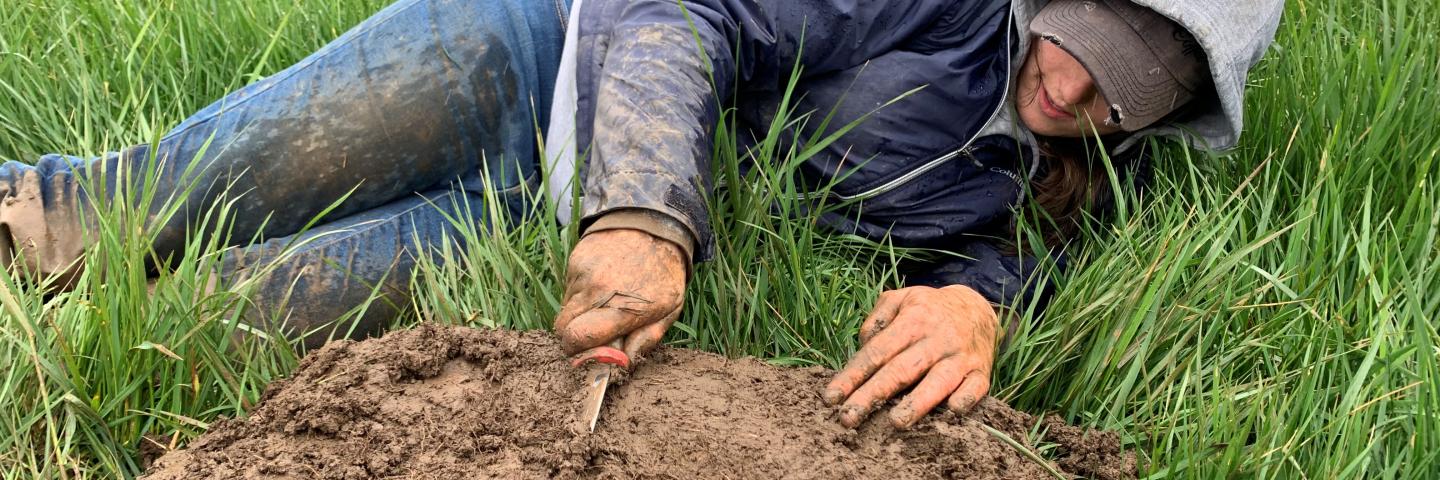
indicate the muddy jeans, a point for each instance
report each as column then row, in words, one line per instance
column 417, row 113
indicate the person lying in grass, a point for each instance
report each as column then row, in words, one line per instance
column 964, row 112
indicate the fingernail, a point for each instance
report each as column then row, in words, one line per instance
column 967, row 403
column 900, row 417
column 832, row 397
column 851, row 416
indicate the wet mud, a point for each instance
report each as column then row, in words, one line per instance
column 450, row 402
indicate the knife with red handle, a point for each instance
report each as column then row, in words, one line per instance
column 605, row 359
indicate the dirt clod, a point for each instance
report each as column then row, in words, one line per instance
column 449, row 402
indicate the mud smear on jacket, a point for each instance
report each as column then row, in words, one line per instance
column 441, row 402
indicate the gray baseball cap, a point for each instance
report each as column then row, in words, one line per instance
column 1146, row 65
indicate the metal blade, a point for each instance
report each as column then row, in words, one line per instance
column 599, row 382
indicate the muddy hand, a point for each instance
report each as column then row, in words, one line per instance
column 624, row 285
column 942, row 338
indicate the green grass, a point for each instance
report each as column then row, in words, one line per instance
column 1270, row 313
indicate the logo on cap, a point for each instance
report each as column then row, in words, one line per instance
column 1189, row 45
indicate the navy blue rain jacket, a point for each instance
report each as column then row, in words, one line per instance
column 917, row 172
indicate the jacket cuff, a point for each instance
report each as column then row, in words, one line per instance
column 648, row 221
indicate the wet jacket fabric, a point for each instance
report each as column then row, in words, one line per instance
column 941, row 168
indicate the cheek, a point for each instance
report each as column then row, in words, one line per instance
column 1101, row 115
column 1098, row 112
column 1028, row 78
column 1027, row 87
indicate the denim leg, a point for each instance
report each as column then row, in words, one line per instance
column 423, row 93
column 333, row 268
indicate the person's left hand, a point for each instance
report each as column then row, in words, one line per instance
column 947, row 335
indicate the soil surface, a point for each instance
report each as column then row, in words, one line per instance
column 449, row 402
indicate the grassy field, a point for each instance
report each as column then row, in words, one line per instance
column 1271, row 313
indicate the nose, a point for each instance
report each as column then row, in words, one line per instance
column 1078, row 92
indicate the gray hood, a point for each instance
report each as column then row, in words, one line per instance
column 1235, row 35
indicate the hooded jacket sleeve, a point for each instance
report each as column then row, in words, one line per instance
column 1010, row 281
column 1019, row 281
column 652, row 75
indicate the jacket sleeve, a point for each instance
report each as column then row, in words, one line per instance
column 652, row 75
column 1010, row 281
column 1024, row 280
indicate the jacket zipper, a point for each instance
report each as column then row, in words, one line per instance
column 964, row 149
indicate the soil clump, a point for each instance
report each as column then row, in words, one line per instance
column 451, row 402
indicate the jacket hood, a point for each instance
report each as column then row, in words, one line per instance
column 1235, row 35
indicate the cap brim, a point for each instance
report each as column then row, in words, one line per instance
column 1130, row 76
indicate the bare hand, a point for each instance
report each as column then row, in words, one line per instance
column 621, row 284
column 945, row 335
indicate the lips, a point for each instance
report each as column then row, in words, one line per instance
column 1048, row 106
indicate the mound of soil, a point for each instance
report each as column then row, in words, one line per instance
column 448, row 402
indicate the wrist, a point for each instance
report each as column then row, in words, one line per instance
column 656, row 224
column 980, row 306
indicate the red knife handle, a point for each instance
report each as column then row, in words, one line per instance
column 610, row 354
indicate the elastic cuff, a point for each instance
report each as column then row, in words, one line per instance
column 648, row 221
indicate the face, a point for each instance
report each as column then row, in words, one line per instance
column 1056, row 97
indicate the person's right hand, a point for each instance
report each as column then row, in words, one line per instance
column 621, row 284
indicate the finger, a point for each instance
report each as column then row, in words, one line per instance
column 938, row 384
column 577, row 276
column 973, row 387
column 573, row 285
column 898, row 374
column 645, row 339
column 598, row 326
column 885, row 346
column 887, row 305
column 568, row 311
